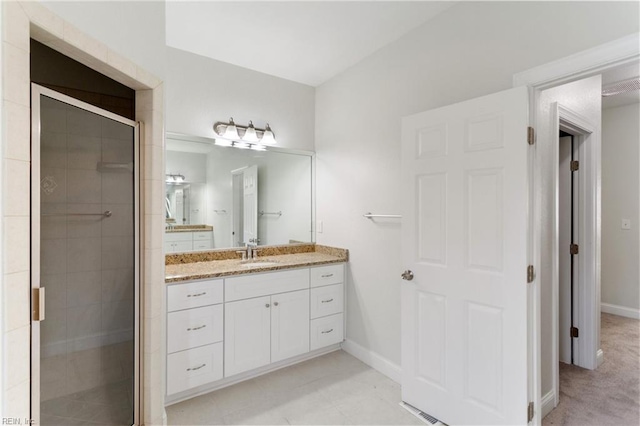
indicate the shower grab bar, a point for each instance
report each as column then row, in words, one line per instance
column 107, row 213
column 262, row 213
column 370, row 215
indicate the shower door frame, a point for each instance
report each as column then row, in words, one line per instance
column 36, row 92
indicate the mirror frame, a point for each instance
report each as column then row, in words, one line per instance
column 211, row 141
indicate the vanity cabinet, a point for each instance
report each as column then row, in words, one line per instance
column 175, row 242
column 269, row 317
column 194, row 334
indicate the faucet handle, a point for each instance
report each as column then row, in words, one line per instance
column 255, row 253
column 244, row 254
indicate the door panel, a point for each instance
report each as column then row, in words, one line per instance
column 84, row 253
column 247, row 337
column 289, row 325
column 464, row 234
column 250, row 203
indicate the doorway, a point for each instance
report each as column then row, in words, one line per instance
column 569, row 245
column 85, row 245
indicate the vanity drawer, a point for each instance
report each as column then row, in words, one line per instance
column 327, row 275
column 194, row 294
column 194, row 327
column 326, row 331
column 327, row 300
column 202, row 244
column 178, row 236
column 249, row 286
column 195, row 367
column 204, row 235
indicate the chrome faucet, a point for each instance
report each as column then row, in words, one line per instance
column 252, row 249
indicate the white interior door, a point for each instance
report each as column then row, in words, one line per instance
column 250, row 204
column 464, row 236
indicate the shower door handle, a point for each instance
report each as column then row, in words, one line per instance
column 38, row 304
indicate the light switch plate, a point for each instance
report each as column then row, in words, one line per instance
column 626, row 224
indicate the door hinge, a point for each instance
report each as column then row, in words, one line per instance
column 530, row 412
column 530, row 274
column 38, row 304
column 575, row 332
column 531, row 135
column 574, row 249
column 575, row 165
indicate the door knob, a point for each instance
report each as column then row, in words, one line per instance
column 407, row 275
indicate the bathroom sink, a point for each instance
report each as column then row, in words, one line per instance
column 258, row 263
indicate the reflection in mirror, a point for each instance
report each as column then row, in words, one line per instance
column 221, row 197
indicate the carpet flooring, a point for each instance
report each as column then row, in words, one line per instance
column 609, row 395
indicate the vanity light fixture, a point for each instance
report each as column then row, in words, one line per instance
column 175, row 178
column 243, row 137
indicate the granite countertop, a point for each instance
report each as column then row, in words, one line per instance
column 180, row 269
column 188, row 228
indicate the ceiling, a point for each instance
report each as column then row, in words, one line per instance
column 306, row 42
column 620, row 74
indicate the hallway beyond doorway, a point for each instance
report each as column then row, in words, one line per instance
column 609, row 395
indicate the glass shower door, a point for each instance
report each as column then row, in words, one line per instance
column 84, row 233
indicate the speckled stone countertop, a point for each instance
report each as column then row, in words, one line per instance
column 178, row 268
column 188, row 228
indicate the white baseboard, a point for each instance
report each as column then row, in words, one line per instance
column 383, row 365
column 622, row 311
column 599, row 357
column 548, row 402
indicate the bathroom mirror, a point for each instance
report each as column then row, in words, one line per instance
column 221, row 197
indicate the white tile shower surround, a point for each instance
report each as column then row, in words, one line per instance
column 22, row 20
column 333, row 389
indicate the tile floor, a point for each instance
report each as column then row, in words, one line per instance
column 110, row 404
column 334, row 389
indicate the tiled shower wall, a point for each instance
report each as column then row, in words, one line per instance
column 86, row 261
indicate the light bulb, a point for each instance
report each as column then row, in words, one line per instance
column 241, row 145
column 258, row 147
column 231, row 132
column 267, row 137
column 223, row 142
column 250, row 134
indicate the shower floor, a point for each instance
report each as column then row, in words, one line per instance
column 110, row 404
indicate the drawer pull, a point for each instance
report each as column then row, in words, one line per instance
column 327, row 332
column 197, row 294
column 197, row 328
column 326, row 275
column 196, row 368
column 327, row 301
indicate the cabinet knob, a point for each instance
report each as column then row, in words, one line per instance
column 267, row 305
column 275, row 303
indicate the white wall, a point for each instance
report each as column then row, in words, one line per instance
column 201, row 91
column 470, row 50
column 189, row 164
column 620, row 251
column 135, row 29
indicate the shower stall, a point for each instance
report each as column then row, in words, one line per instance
column 85, row 263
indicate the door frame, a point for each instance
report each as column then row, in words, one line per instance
column 587, row 308
column 36, row 92
column 587, row 63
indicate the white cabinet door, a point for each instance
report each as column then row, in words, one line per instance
column 289, row 324
column 247, row 330
column 465, row 221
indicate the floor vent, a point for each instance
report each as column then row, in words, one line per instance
column 422, row 415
